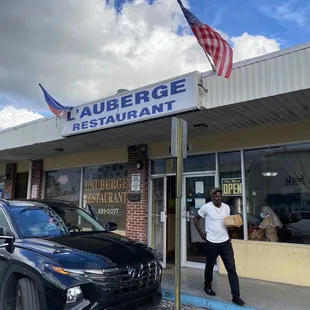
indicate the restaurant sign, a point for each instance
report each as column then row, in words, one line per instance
column 158, row 100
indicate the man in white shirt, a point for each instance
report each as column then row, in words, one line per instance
column 218, row 243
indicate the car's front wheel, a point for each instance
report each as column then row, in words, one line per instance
column 27, row 296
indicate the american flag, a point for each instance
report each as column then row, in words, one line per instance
column 211, row 42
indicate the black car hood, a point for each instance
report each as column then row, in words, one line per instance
column 91, row 250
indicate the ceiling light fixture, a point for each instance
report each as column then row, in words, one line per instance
column 58, row 150
column 201, row 125
column 269, row 174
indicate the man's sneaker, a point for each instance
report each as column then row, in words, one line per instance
column 238, row 301
column 209, row 291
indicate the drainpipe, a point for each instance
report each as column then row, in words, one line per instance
column 29, row 179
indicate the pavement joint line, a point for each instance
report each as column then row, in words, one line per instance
column 200, row 302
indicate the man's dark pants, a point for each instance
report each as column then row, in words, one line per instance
column 226, row 252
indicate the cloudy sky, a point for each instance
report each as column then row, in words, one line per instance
column 82, row 50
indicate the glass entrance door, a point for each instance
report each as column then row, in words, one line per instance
column 158, row 217
column 196, row 192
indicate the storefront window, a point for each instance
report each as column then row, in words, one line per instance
column 163, row 165
column 278, row 192
column 105, row 189
column 231, row 184
column 158, row 166
column 63, row 184
column 197, row 163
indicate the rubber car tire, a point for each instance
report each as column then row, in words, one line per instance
column 29, row 294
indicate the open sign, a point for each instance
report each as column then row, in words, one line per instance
column 232, row 187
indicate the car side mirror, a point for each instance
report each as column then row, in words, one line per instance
column 111, row 226
column 8, row 239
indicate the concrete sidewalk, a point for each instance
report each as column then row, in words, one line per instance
column 257, row 294
column 169, row 305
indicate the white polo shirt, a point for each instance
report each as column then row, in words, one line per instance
column 214, row 221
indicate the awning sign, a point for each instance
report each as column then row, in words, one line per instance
column 232, row 187
column 169, row 97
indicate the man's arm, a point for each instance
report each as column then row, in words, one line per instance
column 197, row 225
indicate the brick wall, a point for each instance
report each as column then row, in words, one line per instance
column 136, row 212
column 37, row 176
column 9, row 183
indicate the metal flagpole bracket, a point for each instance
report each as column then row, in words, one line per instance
column 200, row 84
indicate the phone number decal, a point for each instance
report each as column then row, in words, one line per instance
column 108, row 211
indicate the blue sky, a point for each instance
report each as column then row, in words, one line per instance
column 288, row 21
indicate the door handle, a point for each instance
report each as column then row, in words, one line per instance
column 163, row 216
column 187, row 216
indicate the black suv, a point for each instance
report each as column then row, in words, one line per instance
column 58, row 256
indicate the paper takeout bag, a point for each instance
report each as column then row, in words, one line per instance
column 233, row 220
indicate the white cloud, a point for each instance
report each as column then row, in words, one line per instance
column 82, row 50
column 288, row 11
column 248, row 46
column 10, row 116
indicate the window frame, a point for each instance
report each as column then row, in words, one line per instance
column 10, row 221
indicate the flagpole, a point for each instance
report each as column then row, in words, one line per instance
column 183, row 9
column 212, row 65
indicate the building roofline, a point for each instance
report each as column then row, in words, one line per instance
column 268, row 56
column 39, row 120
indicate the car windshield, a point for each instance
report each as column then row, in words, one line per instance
column 36, row 221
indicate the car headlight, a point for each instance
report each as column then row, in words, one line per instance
column 81, row 272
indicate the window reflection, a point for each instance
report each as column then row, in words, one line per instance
column 105, row 189
column 278, row 192
column 63, row 184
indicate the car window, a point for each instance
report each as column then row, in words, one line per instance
column 4, row 224
column 38, row 222
column 77, row 219
column 43, row 221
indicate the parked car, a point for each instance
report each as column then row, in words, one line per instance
column 48, row 263
column 299, row 226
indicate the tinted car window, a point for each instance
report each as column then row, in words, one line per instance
column 42, row 221
column 36, row 222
